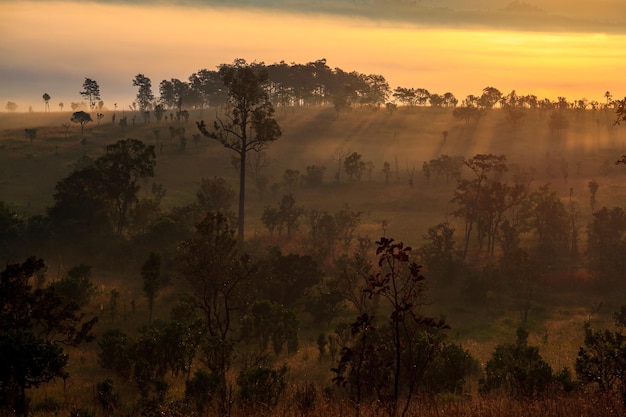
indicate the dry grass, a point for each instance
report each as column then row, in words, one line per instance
column 406, row 138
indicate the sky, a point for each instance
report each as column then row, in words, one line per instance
column 552, row 48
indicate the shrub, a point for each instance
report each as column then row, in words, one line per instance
column 261, row 385
column 201, row 388
column 602, row 360
column 517, row 369
column 107, row 396
column 450, row 369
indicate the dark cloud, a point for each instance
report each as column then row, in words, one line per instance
column 607, row 16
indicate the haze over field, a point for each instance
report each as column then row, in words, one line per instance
column 553, row 48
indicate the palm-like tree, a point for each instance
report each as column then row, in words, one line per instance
column 46, row 100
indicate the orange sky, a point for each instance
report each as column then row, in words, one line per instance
column 52, row 46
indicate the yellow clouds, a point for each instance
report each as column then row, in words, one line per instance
column 67, row 41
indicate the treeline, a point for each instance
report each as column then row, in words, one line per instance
column 313, row 83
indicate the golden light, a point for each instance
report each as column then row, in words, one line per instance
column 113, row 41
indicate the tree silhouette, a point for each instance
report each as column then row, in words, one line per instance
column 102, row 192
column 354, row 166
column 30, row 134
column 46, row 100
column 124, row 165
column 390, row 362
column 219, row 279
column 248, row 124
column 34, row 324
column 81, row 118
column 470, row 193
column 144, row 95
column 620, row 111
column 608, row 97
column 11, row 106
column 91, row 92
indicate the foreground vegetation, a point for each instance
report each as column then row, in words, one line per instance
column 508, row 303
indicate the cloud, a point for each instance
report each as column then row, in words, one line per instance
column 52, row 46
column 533, row 15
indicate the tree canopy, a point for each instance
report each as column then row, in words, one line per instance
column 34, row 324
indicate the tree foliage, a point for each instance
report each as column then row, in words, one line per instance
column 82, row 118
column 517, row 369
column 34, row 324
column 91, row 92
column 390, row 362
column 144, row 95
column 102, row 192
column 602, row 360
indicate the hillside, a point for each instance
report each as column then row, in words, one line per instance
column 482, row 314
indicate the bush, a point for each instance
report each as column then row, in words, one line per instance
column 261, row 385
column 201, row 388
column 517, row 369
column 450, row 369
column 107, row 396
column 602, row 361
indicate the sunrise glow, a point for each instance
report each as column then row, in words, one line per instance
column 52, row 46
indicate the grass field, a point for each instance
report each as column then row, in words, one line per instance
column 317, row 136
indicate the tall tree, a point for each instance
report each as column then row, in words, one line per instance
column 144, row 95
column 469, row 193
column 219, row 279
column 91, row 92
column 125, row 163
column 392, row 364
column 248, row 124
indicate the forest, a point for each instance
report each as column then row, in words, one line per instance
column 298, row 240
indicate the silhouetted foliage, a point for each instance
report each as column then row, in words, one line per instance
column 103, row 191
column 34, row 324
column 201, row 389
column 450, row 370
column 606, row 244
column 261, row 386
column 81, row 118
column 144, row 95
column 76, row 287
column 354, row 166
column 390, row 363
column 517, row 369
column 602, row 360
column 91, row 92
column 217, row 277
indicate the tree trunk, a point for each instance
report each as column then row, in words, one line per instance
column 242, row 193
